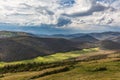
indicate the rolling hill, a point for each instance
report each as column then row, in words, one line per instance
column 116, row 39
column 6, row 34
column 105, row 35
column 26, row 56
column 111, row 45
column 27, row 47
column 15, row 46
column 85, row 38
column 87, row 65
column 99, row 36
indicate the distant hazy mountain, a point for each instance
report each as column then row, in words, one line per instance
column 99, row 36
column 6, row 34
column 105, row 35
column 85, row 38
column 66, row 36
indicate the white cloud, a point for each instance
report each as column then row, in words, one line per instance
column 116, row 4
column 76, row 13
column 27, row 12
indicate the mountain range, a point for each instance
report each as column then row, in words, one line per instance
column 100, row 36
column 15, row 46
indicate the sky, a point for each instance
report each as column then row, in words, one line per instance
column 60, row 16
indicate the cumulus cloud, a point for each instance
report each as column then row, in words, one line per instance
column 85, row 8
column 28, row 12
column 60, row 13
column 116, row 4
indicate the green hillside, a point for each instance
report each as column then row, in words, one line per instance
column 52, row 58
column 87, row 64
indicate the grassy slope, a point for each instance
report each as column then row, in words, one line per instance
column 103, row 69
column 31, row 75
column 89, row 71
column 52, row 58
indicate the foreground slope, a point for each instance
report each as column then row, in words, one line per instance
column 90, row 66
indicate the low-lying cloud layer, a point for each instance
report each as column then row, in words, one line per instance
column 80, row 14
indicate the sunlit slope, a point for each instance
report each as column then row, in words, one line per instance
column 53, row 58
column 90, row 68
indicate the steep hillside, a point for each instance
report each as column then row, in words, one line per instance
column 26, row 47
column 111, row 45
column 117, row 39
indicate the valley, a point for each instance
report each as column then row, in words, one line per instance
column 84, row 57
column 59, row 39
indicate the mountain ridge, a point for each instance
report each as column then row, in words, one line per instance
column 27, row 46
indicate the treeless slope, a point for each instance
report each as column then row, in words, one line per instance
column 111, row 45
column 117, row 39
column 27, row 47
